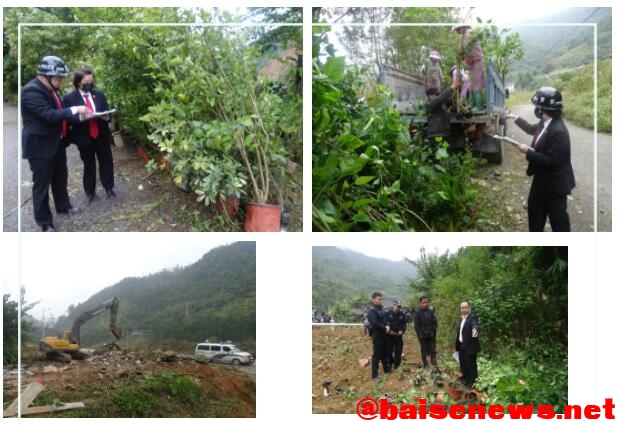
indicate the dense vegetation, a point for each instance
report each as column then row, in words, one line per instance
column 520, row 295
column 339, row 274
column 213, row 298
column 9, row 331
column 367, row 173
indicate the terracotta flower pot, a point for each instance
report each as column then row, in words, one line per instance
column 455, row 393
column 227, row 206
column 142, row 154
column 262, row 218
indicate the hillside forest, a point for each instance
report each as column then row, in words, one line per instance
column 520, row 295
column 213, row 299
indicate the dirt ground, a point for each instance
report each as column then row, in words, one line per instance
column 146, row 201
column 336, row 355
column 95, row 380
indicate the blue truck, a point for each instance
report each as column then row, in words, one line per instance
column 475, row 130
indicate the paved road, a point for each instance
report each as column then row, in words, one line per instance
column 9, row 166
column 581, row 202
column 145, row 201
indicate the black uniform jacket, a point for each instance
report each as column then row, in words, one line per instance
column 377, row 320
column 42, row 121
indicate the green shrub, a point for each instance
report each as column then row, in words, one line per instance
column 368, row 175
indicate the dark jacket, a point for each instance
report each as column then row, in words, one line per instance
column 42, row 121
column 377, row 320
column 80, row 132
column 550, row 161
column 470, row 345
column 425, row 323
column 396, row 321
column 438, row 116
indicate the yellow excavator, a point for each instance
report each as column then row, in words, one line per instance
column 67, row 347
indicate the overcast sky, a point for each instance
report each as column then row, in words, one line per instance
column 60, row 270
column 395, row 251
column 510, row 13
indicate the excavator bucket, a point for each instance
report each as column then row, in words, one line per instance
column 116, row 331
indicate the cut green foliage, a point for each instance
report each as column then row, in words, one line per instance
column 368, row 175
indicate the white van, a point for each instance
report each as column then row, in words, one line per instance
column 222, row 353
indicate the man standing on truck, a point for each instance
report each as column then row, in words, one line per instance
column 433, row 76
column 549, row 161
column 438, row 126
column 471, row 54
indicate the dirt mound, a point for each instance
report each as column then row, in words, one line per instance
column 339, row 362
column 200, row 389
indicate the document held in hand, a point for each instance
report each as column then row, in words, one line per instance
column 507, row 140
column 98, row 114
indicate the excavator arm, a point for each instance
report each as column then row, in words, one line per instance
column 112, row 305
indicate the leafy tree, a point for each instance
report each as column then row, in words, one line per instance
column 271, row 38
column 9, row 330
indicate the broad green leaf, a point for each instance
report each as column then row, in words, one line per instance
column 363, row 180
column 334, row 67
column 350, row 142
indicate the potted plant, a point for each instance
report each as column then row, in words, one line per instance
column 262, row 152
column 221, row 183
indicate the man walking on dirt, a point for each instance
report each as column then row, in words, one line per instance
column 549, row 161
column 468, row 344
column 425, row 324
column 397, row 321
column 379, row 329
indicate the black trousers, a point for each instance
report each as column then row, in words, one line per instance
column 379, row 354
column 540, row 206
column 394, row 351
column 469, row 367
column 98, row 151
column 45, row 173
column 427, row 348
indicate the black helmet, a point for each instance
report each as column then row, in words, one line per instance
column 548, row 99
column 53, row 66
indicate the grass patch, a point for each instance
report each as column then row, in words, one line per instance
column 166, row 395
column 520, row 97
column 578, row 91
column 577, row 87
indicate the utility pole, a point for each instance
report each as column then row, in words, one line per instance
column 44, row 322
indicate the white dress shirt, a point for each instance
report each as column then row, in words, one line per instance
column 462, row 324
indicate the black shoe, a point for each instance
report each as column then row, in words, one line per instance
column 48, row 228
column 72, row 210
column 109, row 193
column 90, row 198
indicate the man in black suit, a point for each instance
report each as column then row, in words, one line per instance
column 92, row 137
column 379, row 328
column 468, row 344
column 45, row 138
column 549, row 161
